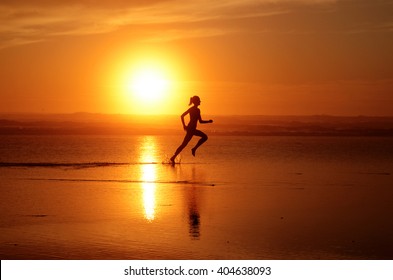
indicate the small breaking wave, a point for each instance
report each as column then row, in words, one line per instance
column 184, row 182
column 76, row 165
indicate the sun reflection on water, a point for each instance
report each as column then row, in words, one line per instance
column 148, row 177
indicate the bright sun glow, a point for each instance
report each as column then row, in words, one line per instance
column 149, row 85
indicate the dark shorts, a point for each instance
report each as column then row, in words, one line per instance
column 191, row 133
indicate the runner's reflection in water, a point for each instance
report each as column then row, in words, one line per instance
column 193, row 212
column 191, row 198
column 194, row 218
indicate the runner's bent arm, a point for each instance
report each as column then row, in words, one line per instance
column 182, row 119
column 202, row 121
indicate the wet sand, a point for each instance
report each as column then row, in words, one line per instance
column 68, row 219
column 241, row 198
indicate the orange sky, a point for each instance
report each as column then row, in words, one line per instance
column 265, row 57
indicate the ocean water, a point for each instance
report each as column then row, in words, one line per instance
column 116, row 197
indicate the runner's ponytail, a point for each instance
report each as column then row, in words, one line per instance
column 194, row 99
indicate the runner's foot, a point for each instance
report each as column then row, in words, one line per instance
column 172, row 159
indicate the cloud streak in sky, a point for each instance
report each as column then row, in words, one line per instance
column 23, row 22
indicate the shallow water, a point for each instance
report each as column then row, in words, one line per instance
column 111, row 197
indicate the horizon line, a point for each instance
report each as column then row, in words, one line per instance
column 218, row 115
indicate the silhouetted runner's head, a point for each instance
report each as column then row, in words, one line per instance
column 195, row 100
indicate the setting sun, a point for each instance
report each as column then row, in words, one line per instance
column 149, row 85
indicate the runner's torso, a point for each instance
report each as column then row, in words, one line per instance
column 194, row 117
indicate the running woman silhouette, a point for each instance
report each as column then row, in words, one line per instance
column 191, row 128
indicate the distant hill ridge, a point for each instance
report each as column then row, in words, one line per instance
column 95, row 124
